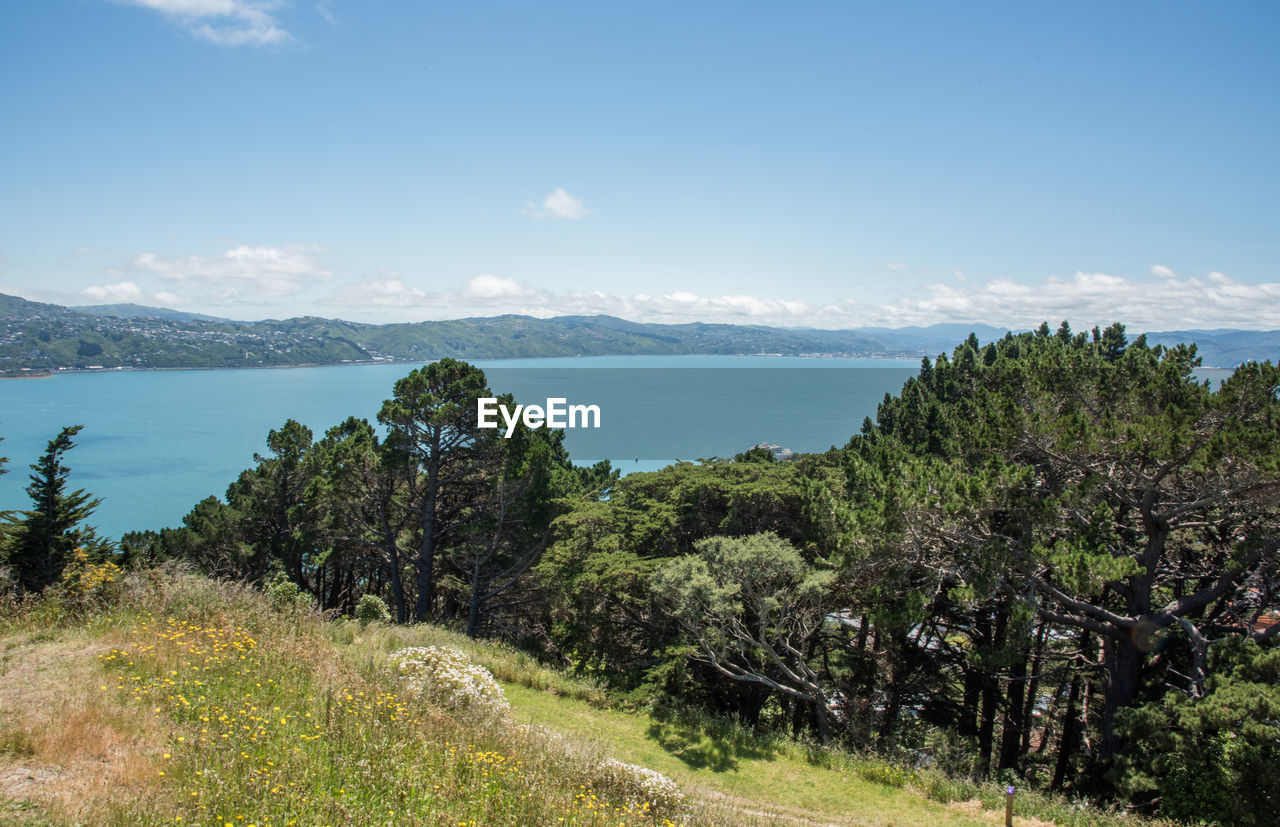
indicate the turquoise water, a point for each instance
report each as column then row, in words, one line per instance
column 156, row 442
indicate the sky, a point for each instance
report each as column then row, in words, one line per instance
column 828, row 165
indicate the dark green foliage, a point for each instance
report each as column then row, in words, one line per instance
column 750, row 608
column 440, row 519
column 1068, row 482
column 41, row 540
column 1212, row 758
column 372, row 608
column 277, row 523
column 433, row 427
column 757, row 454
column 604, row 616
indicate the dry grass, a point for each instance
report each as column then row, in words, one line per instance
column 186, row 700
column 65, row 751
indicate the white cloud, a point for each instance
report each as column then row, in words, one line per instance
column 557, row 204
column 241, row 271
column 223, row 22
column 124, row 291
column 487, row 286
column 1085, row 299
column 127, row 292
column 1163, row 272
column 324, row 8
column 390, row 290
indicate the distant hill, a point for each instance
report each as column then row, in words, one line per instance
column 1225, row 348
column 36, row 336
column 931, row 340
column 133, row 311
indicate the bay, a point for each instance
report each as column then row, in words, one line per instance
column 157, row 442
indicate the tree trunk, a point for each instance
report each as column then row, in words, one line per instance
column 1014, row 724
column 986, row 727
column 393, row 570
column 427, row 551
column 473, row 605
column 893, row 699
column 1070, row 735
column 968, row 723
column 1033, row 689
column 1124, row 672
column 820, row 718
column 990, row 699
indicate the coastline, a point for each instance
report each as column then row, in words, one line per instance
column 51, row 372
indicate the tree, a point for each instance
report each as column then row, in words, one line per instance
column 1211, row 758
column 211, row 538
column 1167, row 497
column 44, row 537
column 752, row 608
column 603, row 616
column 508, row 524
column 432, row 422
column 276, row 518
column 360, row 492
column 1147, row 512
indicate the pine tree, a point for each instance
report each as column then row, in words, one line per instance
column 44, row 538
column 431, row 421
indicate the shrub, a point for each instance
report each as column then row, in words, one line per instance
column 372, row 608
column 285, row 595
column 84, row 583
column 448, row 677
column 1212, row 758
column 640, row 786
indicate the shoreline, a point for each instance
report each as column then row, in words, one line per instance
column 52, row 372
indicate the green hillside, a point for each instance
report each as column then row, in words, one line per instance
column 162, row 699
column 44, row 337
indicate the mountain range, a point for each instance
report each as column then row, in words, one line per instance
column 37, row 337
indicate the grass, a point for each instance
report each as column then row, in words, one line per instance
column 214, row 709
column 182, row 701
column 730, row 770
column 755, row 775
column 722, row 762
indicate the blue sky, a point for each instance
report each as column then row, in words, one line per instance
column 825, row 164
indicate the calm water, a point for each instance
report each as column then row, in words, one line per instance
column 156, row 442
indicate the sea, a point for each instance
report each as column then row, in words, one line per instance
column 156, row 442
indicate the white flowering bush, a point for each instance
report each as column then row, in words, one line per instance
column 449, row 678
column 641, row 786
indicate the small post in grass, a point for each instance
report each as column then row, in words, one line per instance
column 1008, row 806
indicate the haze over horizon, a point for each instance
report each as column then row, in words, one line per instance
column 826, row 165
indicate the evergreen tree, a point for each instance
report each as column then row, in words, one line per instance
column 43, row 538
column 360, row 493
column 431, row 420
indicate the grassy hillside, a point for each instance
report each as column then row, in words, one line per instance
column 174, row 700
